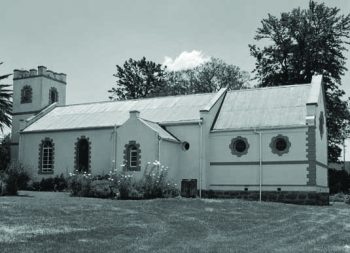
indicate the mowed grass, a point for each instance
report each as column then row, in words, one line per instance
column 55, row 222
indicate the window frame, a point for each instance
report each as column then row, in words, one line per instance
column 26, row 94
column 273, row 144
column 132, row 156
column 76, row 154
column 233, row 146
column 46, row 156
column 51, row 91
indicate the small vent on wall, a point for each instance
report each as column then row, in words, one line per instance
column 246, row 189
column 278, row 189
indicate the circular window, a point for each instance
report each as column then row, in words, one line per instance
column 239, row 146
column 280, row 144
column 185, row 145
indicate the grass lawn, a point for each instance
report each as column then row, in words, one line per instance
column 55, row 222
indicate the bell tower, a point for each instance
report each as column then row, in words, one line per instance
column 33, row 90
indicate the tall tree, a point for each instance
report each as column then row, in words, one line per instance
column 5, row 103
column 302, row 43
column 207, row 77
column 138, row 79
column 5, row 155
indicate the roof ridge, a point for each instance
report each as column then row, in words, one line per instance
column 138, row 99
column 271, row 87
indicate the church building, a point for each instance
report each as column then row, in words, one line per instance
column 268, row 143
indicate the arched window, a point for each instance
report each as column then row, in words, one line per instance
column 46, row 156
column 132, row 156
column 26, row 94
column 53, row 95
column 82, row 154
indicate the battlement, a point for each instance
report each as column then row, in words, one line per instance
column 41, row 71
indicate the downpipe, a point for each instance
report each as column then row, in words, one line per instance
column 260, row 164
column 200, row 156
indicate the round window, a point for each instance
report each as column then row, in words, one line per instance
column 240, row 145
column 185, row 145
column 281, row 144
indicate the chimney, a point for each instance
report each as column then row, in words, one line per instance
column 134, row 114
column 41, row 70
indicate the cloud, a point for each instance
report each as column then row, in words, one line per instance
column 186, row 60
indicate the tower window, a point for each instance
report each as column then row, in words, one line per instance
column 53, row 95
column 46, row 156
column 26, row 94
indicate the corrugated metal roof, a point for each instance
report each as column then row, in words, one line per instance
column 264, row 107
column 163, row 134
column 105, row 114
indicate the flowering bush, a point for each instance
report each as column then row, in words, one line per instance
column 155, row 184
column 79, row 184
column 122, row 184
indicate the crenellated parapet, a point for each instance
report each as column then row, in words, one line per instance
column 41, row 71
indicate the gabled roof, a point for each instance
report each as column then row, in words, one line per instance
column 162, row 133
column 280, row 106
column 162, row 110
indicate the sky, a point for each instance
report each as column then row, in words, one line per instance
column 86, row 39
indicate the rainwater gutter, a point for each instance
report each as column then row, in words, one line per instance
column 260, row 164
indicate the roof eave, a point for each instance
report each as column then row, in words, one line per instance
column 258, row 128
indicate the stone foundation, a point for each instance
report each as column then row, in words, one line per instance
column 293, row 197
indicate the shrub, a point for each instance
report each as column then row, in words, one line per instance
column 347, row 199
column 124, row 186
column 79, row 184
column 3, row 186
column 339, row 181
column 101, row 188
column 155, row 183
column 13, row 179
column 57, row 183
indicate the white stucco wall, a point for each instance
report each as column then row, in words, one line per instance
column 321, row 144
column 188, row 162
column 287, row 169
column 134, row 130
column 64, row 157
column 170, row 156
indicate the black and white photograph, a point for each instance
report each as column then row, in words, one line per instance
column 174, row 126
